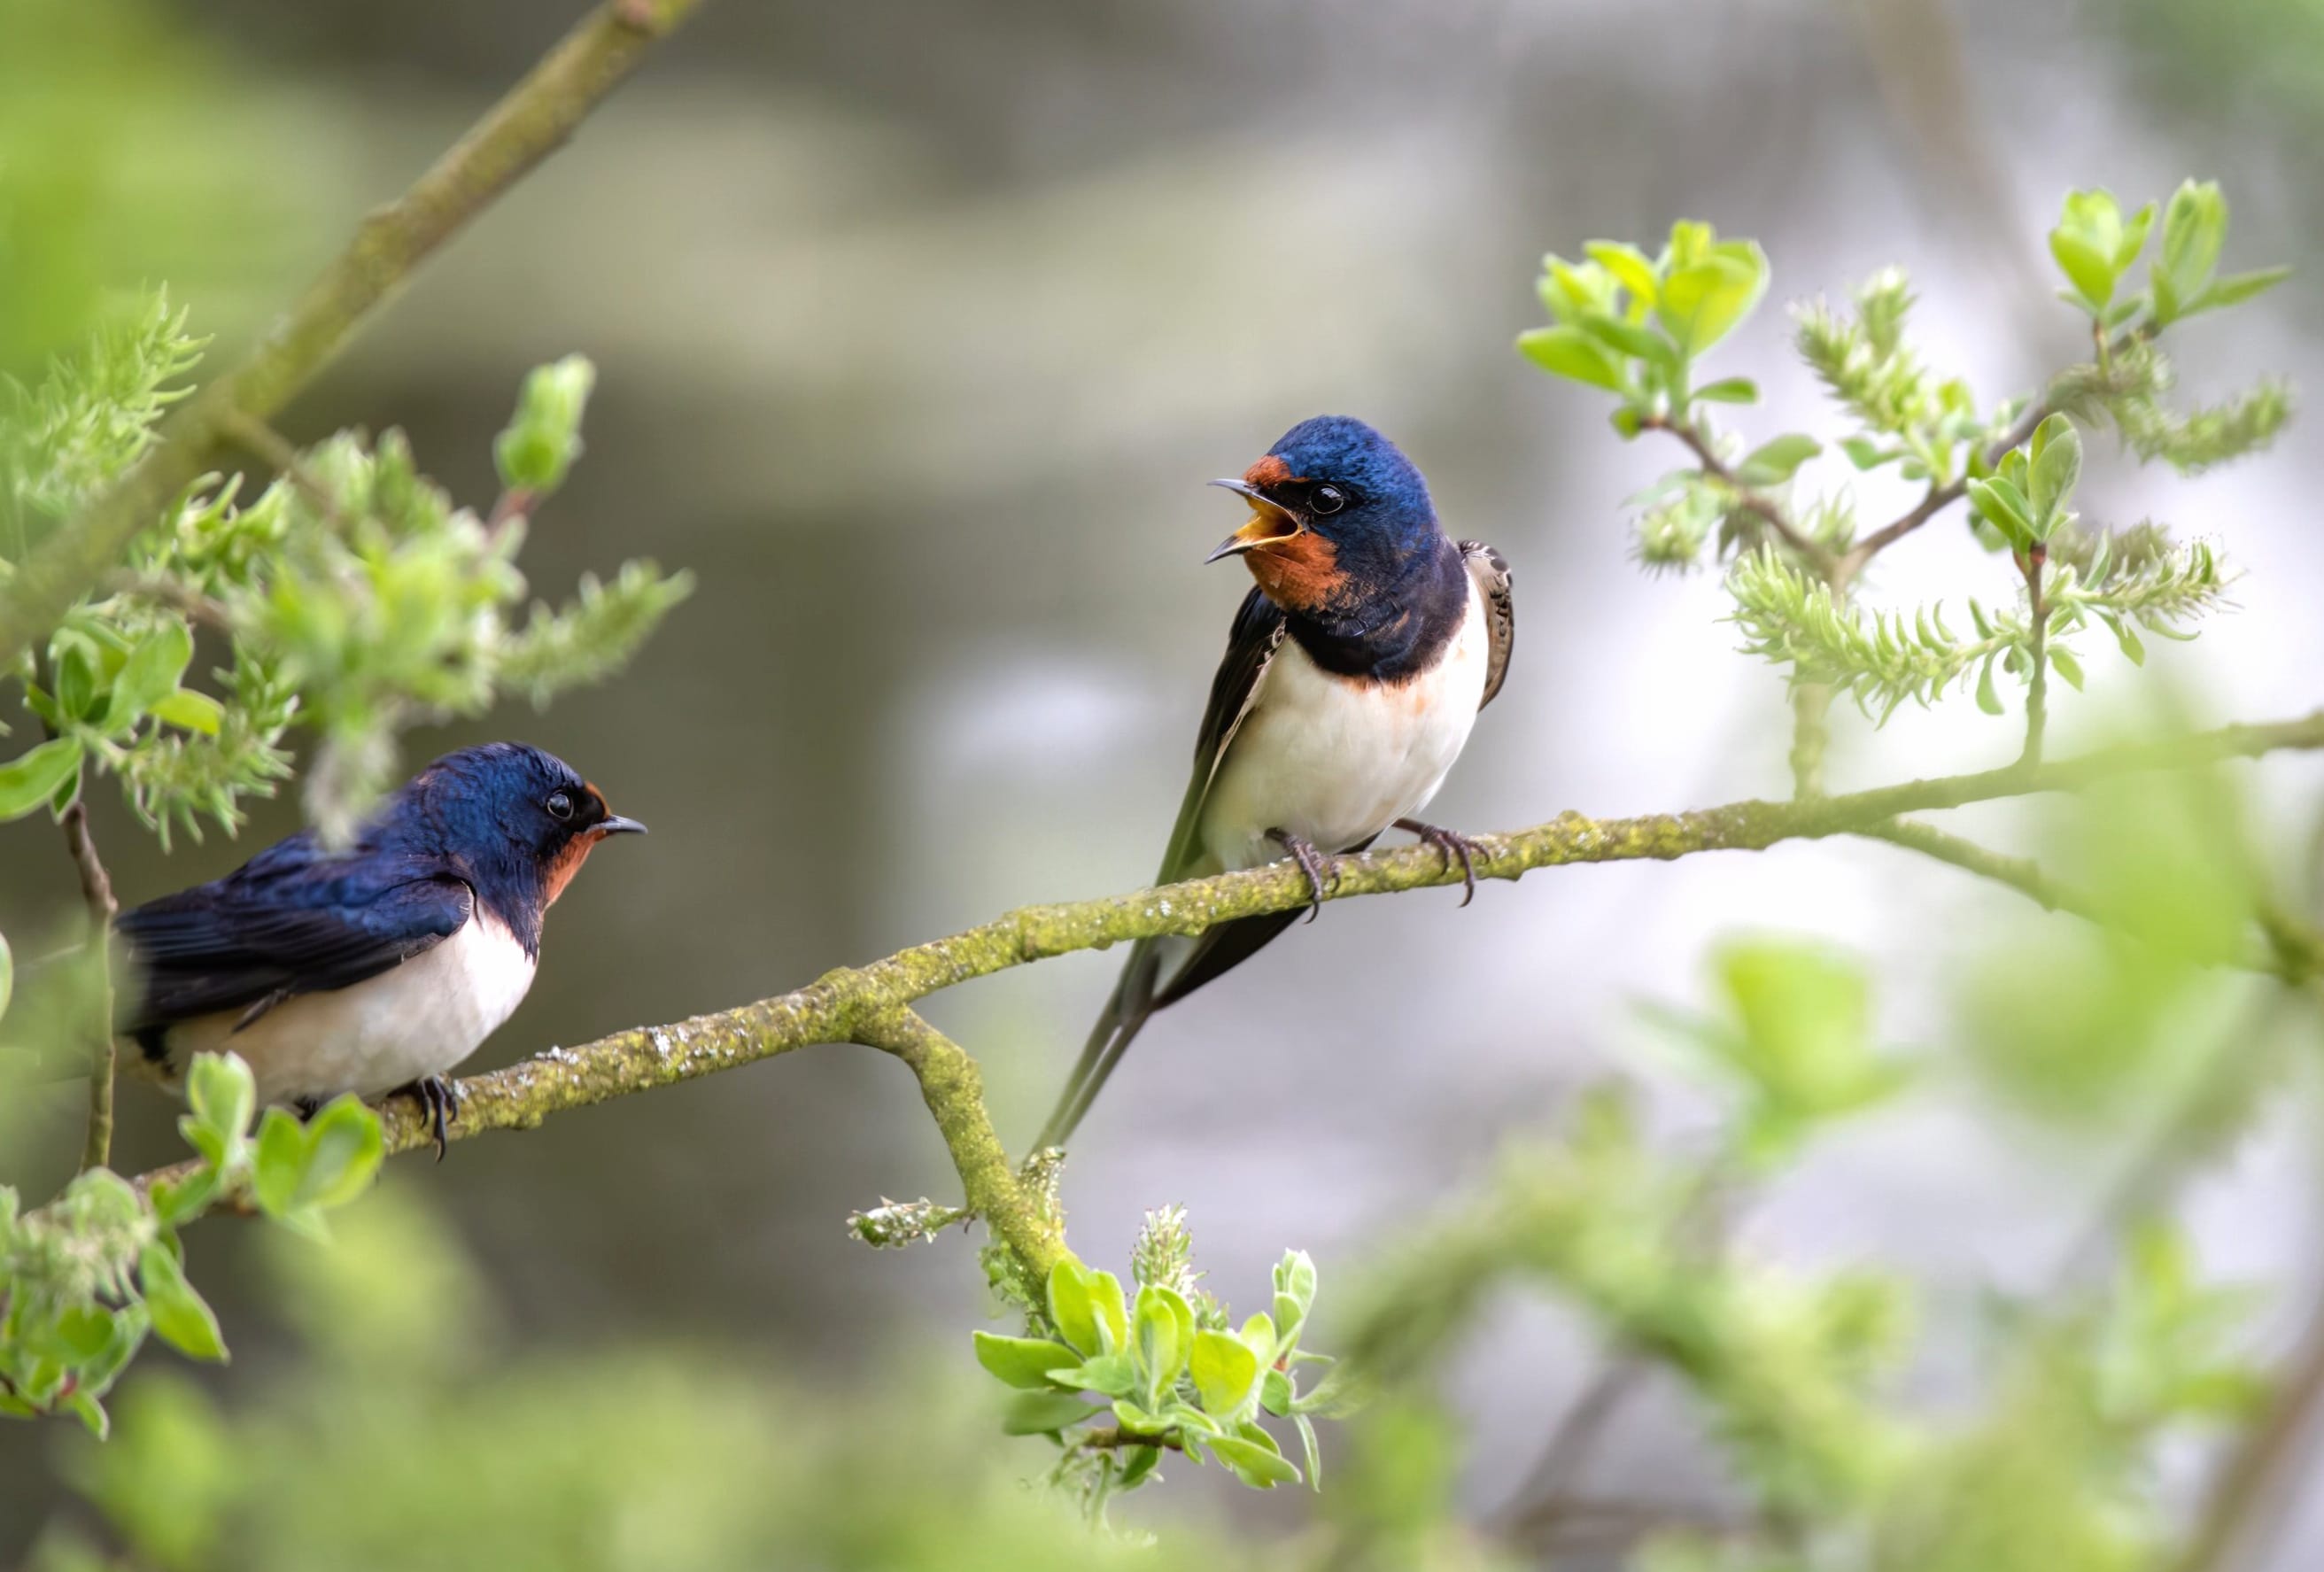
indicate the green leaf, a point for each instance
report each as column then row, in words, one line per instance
column 1703, row 302
column 222, row 1097
column 1730, row 390
column 90, row 1413
column 345, row 1147
column 1225, row 1371
column 7, row 974
column 1988, row 697
column 1070, row 1307
column 1164, row 1326
column 2194, row 230
column 2067, row 666
column 281, row 1162
column 180, row 1317
column 2000, row 505
column 2091, row 273
column 1629, row 265
column 2054, row 468
column 1629, row 339
column 2133, row 648
column 1570, row 353
column 1275, row 1391
column 1023, row 1362
column 192, row 711
column 1778, row 460
column 2236, row 288
column 1313, row 1449
column 1294, row 1294
column 29, row 780
column 181, row 1202
column 1040, row 1413
column 1141, row 1463
column 1259, row 1335
column 544, row 437
column 1114, row 1374
column 150, row 675
column 1112, row 1314
column 76, row 690
column 1863, row 453
column 1251, row 1463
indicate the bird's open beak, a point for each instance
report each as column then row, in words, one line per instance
column 618, row 826
column 1269, row 521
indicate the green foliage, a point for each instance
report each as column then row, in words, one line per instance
column 89, row 1275
column 131, row 153
column 2079, row 1393
column 1164, row 1371
column 353, row 596
column 1793, row 578
column 1634, row 325
column 1793, row 1042
column 409, row 1421
column 1883, row 659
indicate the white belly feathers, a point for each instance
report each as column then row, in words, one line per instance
column 1339, row 761
column 415, row 1020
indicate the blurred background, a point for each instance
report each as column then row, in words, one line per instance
column 918, row 327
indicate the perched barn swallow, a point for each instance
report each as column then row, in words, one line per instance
column 1352, row 675
column 380, row 966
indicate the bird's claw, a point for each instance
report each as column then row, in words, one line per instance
column 1450, row 844
column 1313, row 862
column 441, row 1104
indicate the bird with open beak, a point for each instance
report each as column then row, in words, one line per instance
column 1353, row 673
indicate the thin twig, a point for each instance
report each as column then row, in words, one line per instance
column 1938, row 498
column 184, row 599
column 2243, row 1506
column 1119, row 1438
column 2285, row 957
column 531, row 121
column 2030, row 562
column 96, row 895
column 1757, row 503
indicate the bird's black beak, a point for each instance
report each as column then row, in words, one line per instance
column 617, row 825
column 1270, row 520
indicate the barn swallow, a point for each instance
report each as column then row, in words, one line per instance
column 1353, row 672
column 380, row 966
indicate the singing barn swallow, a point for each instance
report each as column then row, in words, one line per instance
column 1353, row 672
column 380, row 966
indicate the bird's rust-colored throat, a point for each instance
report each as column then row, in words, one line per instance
column 576, row 851
column 1295, row 568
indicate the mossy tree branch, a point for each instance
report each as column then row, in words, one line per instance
column 531, row 121
column 871, row 1003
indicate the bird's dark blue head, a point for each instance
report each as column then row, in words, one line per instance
column 1339, row 516
column 522, row 821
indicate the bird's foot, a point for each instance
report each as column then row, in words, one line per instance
column 1450, row 844
column 440, row 1104
column 1312, row 861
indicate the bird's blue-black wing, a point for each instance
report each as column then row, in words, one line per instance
column 1258, row 631
column 293, row 920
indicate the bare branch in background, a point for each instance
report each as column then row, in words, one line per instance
column 530, row 122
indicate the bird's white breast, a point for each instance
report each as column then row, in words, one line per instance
column 1339, row 760
column 417, row 1019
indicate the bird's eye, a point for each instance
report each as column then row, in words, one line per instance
column 559, row 805
column 1327, row 500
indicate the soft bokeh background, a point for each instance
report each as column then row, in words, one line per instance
column 919, row 325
